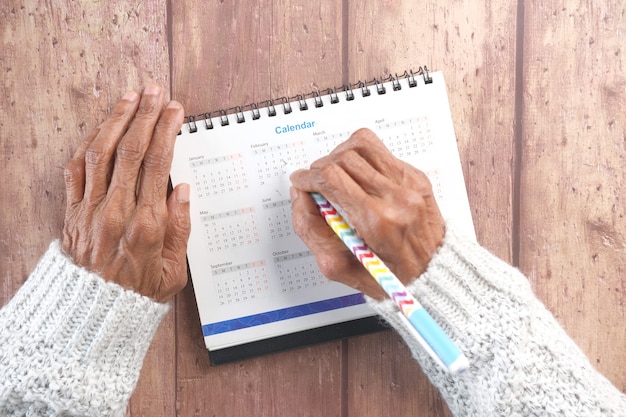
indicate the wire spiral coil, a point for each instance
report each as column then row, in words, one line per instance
column 346, row 90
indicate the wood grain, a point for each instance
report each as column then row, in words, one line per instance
column 249, row 52
column 475, row 48
column 63, row 67
column 573, row 216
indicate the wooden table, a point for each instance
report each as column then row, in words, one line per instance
column 538, row 97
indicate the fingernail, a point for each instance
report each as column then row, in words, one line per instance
column 130, row 96
column 182, row 193
column 293, row 193
column 152, row 89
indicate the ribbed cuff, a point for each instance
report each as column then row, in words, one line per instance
column 74, row 339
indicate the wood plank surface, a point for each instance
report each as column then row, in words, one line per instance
column 573, row 216
column 63, row 67
column 228, row 54
column 475, row 48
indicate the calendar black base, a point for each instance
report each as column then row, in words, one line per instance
column 296, row 340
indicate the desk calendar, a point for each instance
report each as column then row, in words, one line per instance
column 257, row 286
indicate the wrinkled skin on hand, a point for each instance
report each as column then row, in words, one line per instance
column 389, row 202
column 119, row 221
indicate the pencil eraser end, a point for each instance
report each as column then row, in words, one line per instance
column 460, row 365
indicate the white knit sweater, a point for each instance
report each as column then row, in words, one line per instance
column 72, row 344
column 522, row 363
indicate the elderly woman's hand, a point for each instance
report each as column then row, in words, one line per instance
column 119, row 221
column 389, row 202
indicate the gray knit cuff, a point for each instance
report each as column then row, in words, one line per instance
column 520, row 358
column 68, row 326
column 460, row 286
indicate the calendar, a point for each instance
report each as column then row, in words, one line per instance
column 254, row 279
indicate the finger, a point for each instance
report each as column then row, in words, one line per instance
column 361, row 171
column 311, row 227
column 176, row 237
column 332, row 256
column 370, row 147
column 99, row 154
column 132, row 147
column 74, row 173
column 158, row 158
column 363, row 158
column 309, row 224
column 335, row 184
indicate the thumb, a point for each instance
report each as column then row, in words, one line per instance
column 176, row 236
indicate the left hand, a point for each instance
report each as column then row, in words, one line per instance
column 119, row 221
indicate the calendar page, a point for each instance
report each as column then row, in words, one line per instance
column 253, row 277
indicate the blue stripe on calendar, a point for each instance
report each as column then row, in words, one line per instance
column 282, row 314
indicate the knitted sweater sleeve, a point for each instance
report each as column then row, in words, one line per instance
column 72, row 344
column 522, row 363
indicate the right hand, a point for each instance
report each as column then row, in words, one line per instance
column 389, row 202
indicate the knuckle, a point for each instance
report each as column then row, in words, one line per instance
column 414, row 200
column 127, row 153
column 330, row 265
column 363, row 136
column 422, row 179
column 329, row 171
column 72, row 171
column 325, row 264
column 96, row 156
column 157, row 161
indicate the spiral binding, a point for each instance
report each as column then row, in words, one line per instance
column 285, row 102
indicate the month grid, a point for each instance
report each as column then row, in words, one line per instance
column 219, row 175
column 298, row 271
column 231, row 229
column 327, row 142
column 270, row 160
column 405, row 138
column 241, row 283
column 278, row 218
